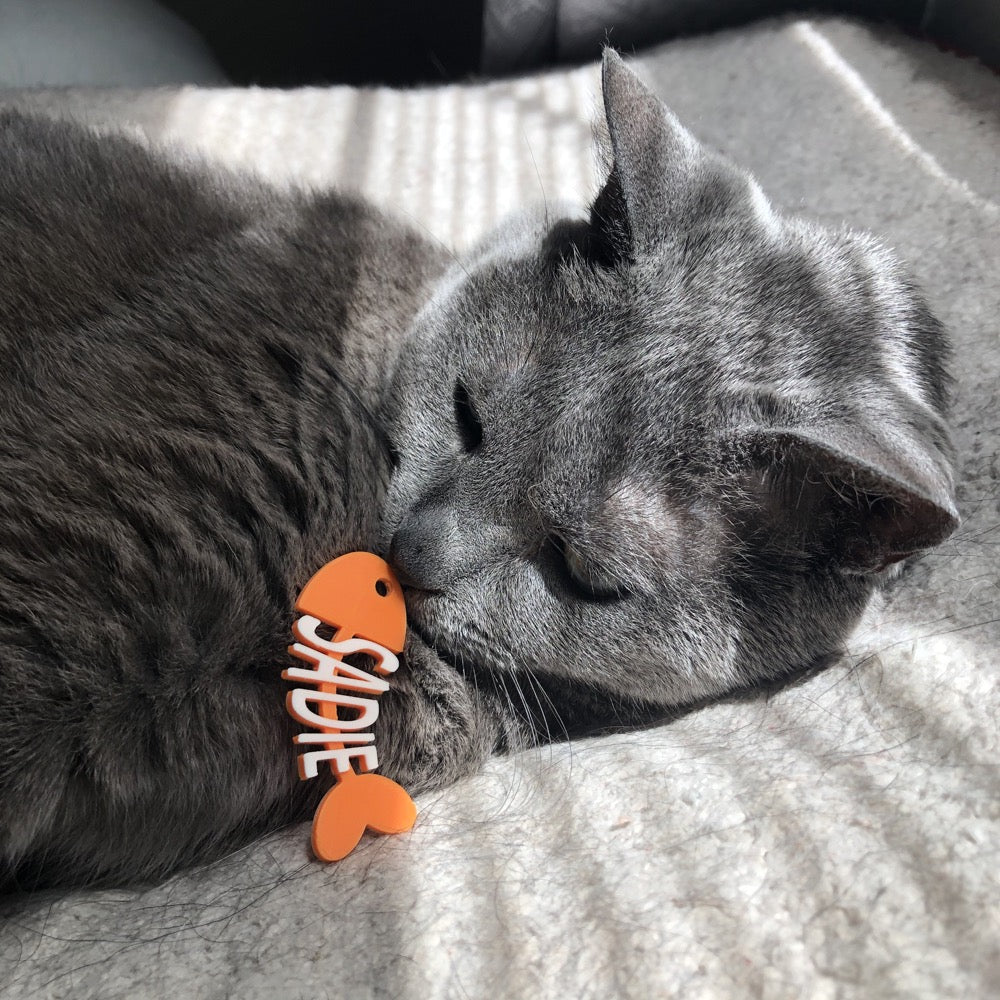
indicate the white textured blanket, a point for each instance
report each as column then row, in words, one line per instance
column 839, row 839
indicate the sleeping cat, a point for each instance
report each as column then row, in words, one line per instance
column 622, row 462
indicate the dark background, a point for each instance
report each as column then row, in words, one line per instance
column 400, row 42
column 294, row 42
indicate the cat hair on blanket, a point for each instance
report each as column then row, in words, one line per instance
column 622, row 461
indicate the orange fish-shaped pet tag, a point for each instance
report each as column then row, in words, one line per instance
column 357, row 596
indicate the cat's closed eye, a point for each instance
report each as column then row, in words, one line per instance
column 585, row 578
column 467, row 422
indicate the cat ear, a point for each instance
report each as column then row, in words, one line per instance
column 660, row 172
column 878, row 492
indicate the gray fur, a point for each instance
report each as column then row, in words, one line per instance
column 641, row 459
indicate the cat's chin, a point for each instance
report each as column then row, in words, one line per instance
column 433, row 645
column 417, row 636
column 419, row 633
column 461, row 657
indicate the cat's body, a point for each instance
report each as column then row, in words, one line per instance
column 642, row 459
column 189, row 373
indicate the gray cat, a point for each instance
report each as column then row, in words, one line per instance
column 622, row 463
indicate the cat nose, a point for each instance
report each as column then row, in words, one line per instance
column 423, row 547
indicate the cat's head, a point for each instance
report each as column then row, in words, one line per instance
column 670, row 448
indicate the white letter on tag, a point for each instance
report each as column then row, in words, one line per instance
column 331, row 671
column 304, row 629
column 298, row 707
column 366, row 757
